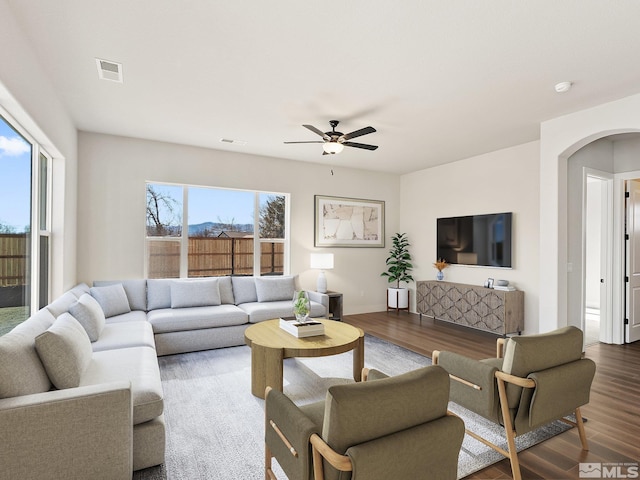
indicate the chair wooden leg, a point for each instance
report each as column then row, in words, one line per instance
column 268, row 473
column 509, row 431
column 581, row 430
column 318, row 471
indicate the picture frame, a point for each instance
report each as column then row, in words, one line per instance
column 488, row 283
column 348, row 222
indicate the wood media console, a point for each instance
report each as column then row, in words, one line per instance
column 496, row 311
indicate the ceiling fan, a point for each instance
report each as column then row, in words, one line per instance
column 333, row 142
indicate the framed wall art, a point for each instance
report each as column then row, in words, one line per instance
column 348, row 222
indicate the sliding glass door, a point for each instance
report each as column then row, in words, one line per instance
column 24, row 226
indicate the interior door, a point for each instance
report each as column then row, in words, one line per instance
column 633, row 261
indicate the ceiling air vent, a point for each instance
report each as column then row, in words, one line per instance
column 108, row 70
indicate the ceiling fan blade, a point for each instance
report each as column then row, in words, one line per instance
column 360, row 145
column 311, row 141
column 318, row 132
column 358, row 133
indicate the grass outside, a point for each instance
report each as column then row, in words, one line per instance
column 12, row 316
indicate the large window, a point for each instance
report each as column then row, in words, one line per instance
column 201, row 231
column 24, row 225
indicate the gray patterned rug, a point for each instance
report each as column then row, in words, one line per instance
column 215, row 426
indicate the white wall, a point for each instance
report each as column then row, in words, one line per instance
column 502, row 181
column 111, row 212
column 597, row 155
column 559, row 139
column 29, row 97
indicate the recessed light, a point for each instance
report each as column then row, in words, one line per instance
column 563, row 87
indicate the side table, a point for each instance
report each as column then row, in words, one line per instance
column 335, row 305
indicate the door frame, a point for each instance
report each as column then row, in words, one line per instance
column 619, row 259
column 607, row 254
column 624, row 177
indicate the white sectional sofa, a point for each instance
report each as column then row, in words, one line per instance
column 80, row 388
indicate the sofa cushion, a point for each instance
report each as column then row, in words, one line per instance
column 61, row 304
column 136, row 291
column 194, row 318
column 272, row 289
column 138, row 365
column 112, row 298
column 125, row 335
column 194, row 293
column 80, row 289
column 244, row 290
column 132, row 316
column 259, row 312
column 89, row 314
column 226, row 290
column 65, row 351
column 158, row 293
column 21, row 371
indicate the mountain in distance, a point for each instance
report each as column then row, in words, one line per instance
column 216, row 228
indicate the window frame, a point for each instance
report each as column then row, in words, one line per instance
column 184, row 239
column 36, row 232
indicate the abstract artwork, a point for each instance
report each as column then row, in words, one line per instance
column 348, row 222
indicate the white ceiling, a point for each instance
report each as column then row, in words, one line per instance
column 440, row 80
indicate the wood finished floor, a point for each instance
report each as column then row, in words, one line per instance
column 613, row 414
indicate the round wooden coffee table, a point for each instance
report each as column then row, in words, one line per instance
column 270, row 345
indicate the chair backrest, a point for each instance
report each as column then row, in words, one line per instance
column 373, row 411
column 562, row 376
column 531, row 353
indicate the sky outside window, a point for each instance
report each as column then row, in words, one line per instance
column 15, row 181
column 220, row 206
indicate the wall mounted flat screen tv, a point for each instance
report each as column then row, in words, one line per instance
column 482, row 240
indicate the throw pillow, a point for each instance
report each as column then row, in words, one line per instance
column 21, row 371
column 244, row 290
column 89, row 314
column 158, row 293
column 65, row 351
column 195, row 293
column 272, row 289
column 135, row 289
column 113, row 299
column 226, row 290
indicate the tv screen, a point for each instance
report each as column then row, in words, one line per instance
column 482, row 240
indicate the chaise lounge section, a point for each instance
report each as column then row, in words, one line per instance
column 80, row 388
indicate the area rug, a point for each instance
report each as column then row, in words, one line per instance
column 215, row 425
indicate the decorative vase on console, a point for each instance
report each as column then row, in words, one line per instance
column 301, row 306
column 440, row 264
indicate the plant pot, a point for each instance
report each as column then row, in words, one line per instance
column 398, row 298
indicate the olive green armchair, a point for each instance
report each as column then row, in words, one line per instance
column 534, row 380
column 394, row 427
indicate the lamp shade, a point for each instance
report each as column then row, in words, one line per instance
column 332, row 147
column 322, row 261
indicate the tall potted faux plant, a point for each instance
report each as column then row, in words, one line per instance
column 398, row 270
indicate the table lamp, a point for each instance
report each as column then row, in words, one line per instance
column 322, row 261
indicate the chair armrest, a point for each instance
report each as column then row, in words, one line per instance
column 318, row 297
column 287, row 434
column 84, row 432
column 322, row 450
column 500, row 343
column 473, row 383
column 560, row 390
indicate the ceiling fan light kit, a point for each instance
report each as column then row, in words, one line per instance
column 334, row 142
column 332, row 147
